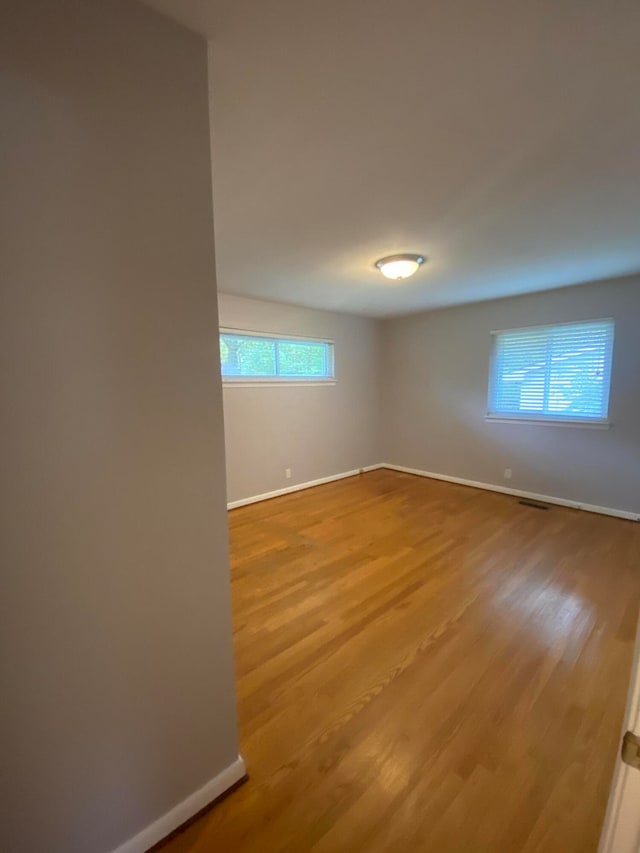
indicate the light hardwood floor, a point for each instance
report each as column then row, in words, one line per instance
column 424, row 667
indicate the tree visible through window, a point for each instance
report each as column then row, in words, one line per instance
column 244, row 355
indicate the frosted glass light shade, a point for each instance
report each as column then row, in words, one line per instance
column 399, row 266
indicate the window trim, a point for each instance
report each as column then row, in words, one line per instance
column 277, row 381
column 532, row 419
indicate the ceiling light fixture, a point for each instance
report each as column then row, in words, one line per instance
column 399, row 266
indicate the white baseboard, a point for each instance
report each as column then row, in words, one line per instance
column 300, row 486
column 181, row 813
column 519, row 493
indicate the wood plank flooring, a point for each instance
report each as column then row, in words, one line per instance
column 424, row 667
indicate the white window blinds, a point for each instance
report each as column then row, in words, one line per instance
column 552, row 372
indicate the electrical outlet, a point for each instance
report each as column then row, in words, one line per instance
column 507, row 473
column 287, row 473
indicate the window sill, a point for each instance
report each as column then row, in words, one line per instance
column 558, row 422
column 275, row 383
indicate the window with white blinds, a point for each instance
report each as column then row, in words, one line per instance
column 248, row 357
column 552, row 373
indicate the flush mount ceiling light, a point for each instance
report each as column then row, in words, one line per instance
column 399, row 266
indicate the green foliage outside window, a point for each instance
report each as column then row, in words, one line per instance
column 259, row 357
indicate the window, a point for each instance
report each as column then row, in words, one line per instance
column 552, row 373
column 252, row 357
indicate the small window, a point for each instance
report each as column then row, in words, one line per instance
column 552, row 373
column 252, row 357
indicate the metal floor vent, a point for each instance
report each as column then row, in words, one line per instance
column 534, row 504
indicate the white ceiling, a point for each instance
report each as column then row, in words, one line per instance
column 501, row 138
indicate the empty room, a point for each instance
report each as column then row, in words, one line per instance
column 321, row 381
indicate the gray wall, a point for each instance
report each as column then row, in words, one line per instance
column 115, row 633
column 435, row 391
column 316, row 431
